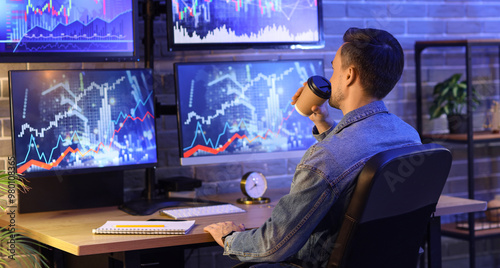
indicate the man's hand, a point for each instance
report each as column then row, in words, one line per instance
column 320, row 116
column 218, row 230
column 296, row 96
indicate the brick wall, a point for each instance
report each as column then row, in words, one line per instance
column 408, row 20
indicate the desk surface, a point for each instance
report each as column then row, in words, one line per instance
column 71, row 231
column 448, row 205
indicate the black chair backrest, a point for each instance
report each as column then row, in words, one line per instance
column 394, row 198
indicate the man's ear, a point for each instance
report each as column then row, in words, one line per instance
column 351, row 76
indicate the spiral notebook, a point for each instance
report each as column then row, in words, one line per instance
column 145, row 227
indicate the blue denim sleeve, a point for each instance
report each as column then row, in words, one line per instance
column 321, row 136
column 292, row 221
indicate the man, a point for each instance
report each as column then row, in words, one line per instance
column 305, row 223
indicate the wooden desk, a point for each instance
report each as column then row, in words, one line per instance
column 449, row 205
column 71, row 231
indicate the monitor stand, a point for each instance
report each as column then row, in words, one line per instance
column 144, row 207
column 72, row 191
column 151, row 204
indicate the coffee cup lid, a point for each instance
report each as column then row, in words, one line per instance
column 320, row 86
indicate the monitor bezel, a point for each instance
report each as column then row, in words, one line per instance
column 221, row 159
column 173, row 46
column 109, row 56
column 50, row 173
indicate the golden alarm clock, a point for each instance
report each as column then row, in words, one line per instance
column 253, row 185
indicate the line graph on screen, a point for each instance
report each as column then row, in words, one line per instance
column 88, row 120
column 217, row 147
column 66, row 26
column 237, row 108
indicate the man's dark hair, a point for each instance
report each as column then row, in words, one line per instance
column 377, row 55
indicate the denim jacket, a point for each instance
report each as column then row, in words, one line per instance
column 304, row 224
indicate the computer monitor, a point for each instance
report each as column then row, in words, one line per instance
column 66, row 30
column 194, row 24
column 82, row 121
column 241, row 111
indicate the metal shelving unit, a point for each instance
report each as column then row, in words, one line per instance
column 470, row 138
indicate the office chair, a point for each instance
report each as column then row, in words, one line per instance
column 386, row 220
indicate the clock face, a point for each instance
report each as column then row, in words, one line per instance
column 255, row 184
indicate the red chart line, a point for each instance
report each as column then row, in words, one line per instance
column 69, row 150
column 236, row 136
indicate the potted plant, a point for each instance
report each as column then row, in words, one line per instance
column 450, row 98
column 16, row 250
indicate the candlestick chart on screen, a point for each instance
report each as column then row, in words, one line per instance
column 234, row 108
column 30, row 26
column 245, row 21
column 68, row 120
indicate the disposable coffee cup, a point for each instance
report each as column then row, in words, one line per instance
column 316, row 92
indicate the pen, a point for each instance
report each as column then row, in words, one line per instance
column 165, row 220
column 139, row 226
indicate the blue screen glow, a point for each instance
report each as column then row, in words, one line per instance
column 230, row 111
column 67, row 120
column 67, row 26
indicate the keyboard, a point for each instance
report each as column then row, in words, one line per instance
column 191, row 212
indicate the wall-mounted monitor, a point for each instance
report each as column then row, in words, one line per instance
column 82, row 121
column 68, row 30
column 241, row 111
column 219, row 24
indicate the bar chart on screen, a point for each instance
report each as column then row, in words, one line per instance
column 245, row 21
column 28, row 26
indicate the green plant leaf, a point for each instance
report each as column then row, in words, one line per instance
column 450, row 97
column 454, row 78
column 26, row 249
column 446, row 110
column 445, row 91
column 455, row 91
